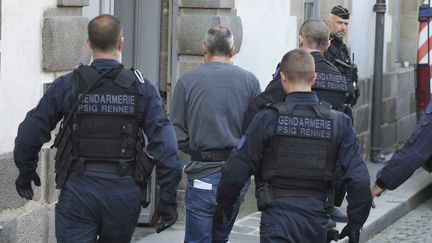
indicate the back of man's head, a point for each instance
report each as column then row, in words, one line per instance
column 219, row 41
column 298, row 66
column 104, row 32
column 316, row 34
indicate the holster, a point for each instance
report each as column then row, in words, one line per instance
column 144, row 167
column 264, row 195
column 64, row 157
column 339, row 195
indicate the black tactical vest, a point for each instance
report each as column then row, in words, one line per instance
column 339, row 51
column 104, row 126
column 330, row 86
column 301, row 158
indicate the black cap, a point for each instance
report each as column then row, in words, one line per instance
column 341, row 12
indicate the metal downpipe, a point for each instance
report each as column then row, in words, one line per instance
column 376, row 155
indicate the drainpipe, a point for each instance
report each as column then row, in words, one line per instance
column 376, row 155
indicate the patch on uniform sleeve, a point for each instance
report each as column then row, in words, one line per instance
column 241, row 142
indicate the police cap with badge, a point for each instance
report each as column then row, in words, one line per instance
column 341, row 12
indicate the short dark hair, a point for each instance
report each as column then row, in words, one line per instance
column 298, row 65
column 104, row 32
column 316, row 33
column 219, row 40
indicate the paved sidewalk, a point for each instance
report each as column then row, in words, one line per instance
column 413, row 227
column 391, row 206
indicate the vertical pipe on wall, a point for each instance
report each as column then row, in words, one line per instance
column 376, row 155
column 174, row 12
column 163, row 49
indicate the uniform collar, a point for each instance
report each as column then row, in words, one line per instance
column 317, row 55
column 302, row 97
column 335, row 40
column 104, row 63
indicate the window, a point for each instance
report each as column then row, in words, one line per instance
column 310, row 9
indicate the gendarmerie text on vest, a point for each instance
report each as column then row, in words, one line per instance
column 107, row 103
column 305, row 127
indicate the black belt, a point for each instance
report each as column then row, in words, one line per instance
column 210, row 155
column 282, row 192
column 121, row 168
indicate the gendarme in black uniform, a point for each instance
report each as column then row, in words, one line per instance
column 338, row 55
column 330, row 86
column 277, row 146
column 99, row 155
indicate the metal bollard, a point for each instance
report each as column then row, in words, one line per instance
column 1, row 229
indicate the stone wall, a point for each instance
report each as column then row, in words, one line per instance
column 195, row 18
column 22, row 220
column 398, row 118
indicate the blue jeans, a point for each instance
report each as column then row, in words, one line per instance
column 97, row 207
column 200, row 208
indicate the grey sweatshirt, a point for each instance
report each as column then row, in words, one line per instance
column 207, row 110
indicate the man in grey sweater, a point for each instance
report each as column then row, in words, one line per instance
column 207, row 113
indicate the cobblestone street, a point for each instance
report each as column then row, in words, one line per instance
column 416, row 226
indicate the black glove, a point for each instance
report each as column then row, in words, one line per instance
column 353, row 235
column 222, row 212
column 23, row 184
column 165, row 216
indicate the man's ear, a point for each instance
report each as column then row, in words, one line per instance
column 313, row 79
column 328, row 45
column 120, row 44
column 301, row 41
column 283, row 77
column 88, row 42
column 204, row 50
column 232, row 52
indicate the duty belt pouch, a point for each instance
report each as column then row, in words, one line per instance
column 264, row 196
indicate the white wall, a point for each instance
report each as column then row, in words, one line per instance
column 21, row 77
column 268, row 33
column 361, row 37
